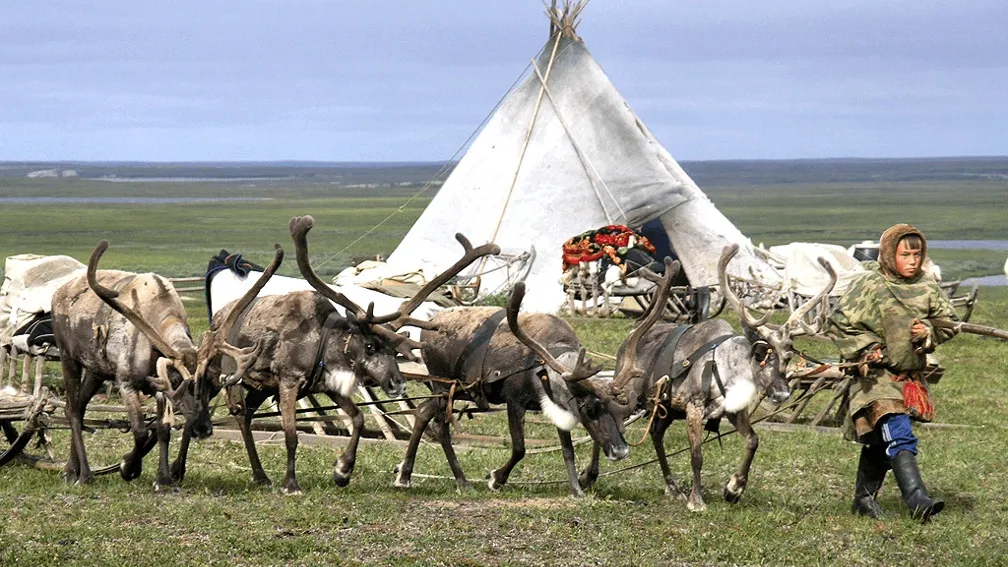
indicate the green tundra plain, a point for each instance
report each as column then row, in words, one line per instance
column 794, row 512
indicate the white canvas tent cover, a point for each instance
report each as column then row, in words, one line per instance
column 29, row 283
column 553, row 162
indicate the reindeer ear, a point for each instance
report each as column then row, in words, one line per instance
column 760, row 349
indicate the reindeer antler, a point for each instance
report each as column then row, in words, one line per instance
column 215, row 339
column 582, row 370
column 299, row 227
column 111, row 298
column 822, row 298
column 470, row 256
column 729, row 294
column 628, row 369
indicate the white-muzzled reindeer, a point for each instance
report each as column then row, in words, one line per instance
column 703, row 372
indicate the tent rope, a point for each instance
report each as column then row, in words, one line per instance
column 521, row 156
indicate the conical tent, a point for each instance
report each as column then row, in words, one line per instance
column 562, row 154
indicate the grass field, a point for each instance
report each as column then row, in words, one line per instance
column 795, row 511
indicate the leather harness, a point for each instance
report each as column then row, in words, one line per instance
column 678, row 366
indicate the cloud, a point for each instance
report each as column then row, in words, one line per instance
column 399, row 80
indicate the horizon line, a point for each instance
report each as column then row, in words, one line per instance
column 392, row 163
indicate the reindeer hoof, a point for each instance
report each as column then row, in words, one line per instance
column 733, row 490
column 291, row 490
column 696, row 503
column 493, row 482
column 340, row 478
column 672, row 490
column 84, row 480
column 127, row 473
column 262, row 481
column 160, row 486
column 401, row 483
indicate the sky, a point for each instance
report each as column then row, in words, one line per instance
column 411, row 80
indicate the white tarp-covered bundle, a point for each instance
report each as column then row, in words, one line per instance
column 803, row 274
column 226, row 286
column 553, row 162
column 29, row 283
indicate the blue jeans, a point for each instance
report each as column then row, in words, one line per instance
column 894, row 433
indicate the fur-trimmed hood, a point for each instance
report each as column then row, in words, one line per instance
column 887, row 250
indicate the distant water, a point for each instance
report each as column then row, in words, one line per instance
column 121, row 200
column 994, row 281
column 968, row 244
column 192, row 179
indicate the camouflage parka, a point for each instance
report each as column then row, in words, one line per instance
column 878, row 309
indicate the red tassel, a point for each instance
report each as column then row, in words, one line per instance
column 917, row 401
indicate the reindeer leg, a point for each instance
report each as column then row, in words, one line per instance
column 288, row 415
column 344, row 466
column 178, row 466
column 421, row 417
column 163, row 429
column 516, row 425
column 132, row 462
column 590, row 474
column 243, row 406
column 694, row 430
column 737, row 483
column 76, row 469
column 567, row 446
column 441, row 427
column 658, row 429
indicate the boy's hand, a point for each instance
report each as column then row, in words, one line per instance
column 918, row 331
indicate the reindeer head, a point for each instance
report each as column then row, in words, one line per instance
column 375, row 339
column 162, row 319
column 370, row 357
column 627, row 382
column 772, row 345
column 589, row 398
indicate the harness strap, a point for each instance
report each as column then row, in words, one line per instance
column 680, row 370
column 666, row 355
column 710, row 371
column 470, row 361
column 318, row 367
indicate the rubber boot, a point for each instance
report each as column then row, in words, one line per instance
column 872, row 467
column 922, row 506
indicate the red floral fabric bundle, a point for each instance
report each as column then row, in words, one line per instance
column 612, row 241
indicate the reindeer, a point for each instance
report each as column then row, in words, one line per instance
column 308, row 347
column 488, row 363
column 703, row 372
column 145, row 347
